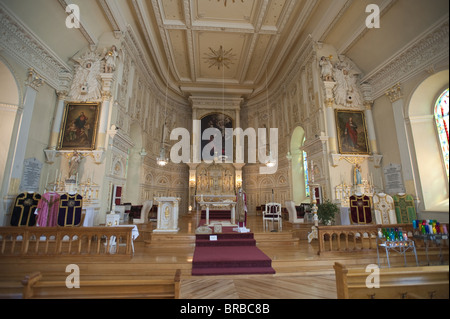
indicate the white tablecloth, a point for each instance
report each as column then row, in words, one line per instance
column 345, row 215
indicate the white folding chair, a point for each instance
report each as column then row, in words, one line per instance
column 272, row 214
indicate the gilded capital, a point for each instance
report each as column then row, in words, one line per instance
column 395, row 93
column 34, row 80
column 62, row 95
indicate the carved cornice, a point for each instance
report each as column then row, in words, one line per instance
column 429, row 48
column 18, row 41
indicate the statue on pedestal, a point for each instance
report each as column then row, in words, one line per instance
column 241, row 207
column 357, row 175
column 74, row 162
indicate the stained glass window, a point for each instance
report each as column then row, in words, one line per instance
column 441, row 116
column 305, row 168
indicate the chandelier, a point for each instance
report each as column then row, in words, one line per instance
column 162, row 160
column 271, row 162
column 225, row 1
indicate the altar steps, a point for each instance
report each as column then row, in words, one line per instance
column 276, row 239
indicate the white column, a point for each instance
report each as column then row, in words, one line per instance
column 397, row 101
column 57, row 121
column 371, row 129
column 331, row 122
column 103, row 125
column 33, row 83
column 366, row 90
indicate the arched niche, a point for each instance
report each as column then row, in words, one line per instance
column 134, row 165
column 298, row 171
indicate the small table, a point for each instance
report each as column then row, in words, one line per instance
column 399, row 246
column 437, row 238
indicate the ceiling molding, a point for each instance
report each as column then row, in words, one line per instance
column 428, row 48
column 21, row 43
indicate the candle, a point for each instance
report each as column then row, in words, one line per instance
column 56, row 175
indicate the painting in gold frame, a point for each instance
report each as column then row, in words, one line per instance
column 352, row 132
column 79, row 126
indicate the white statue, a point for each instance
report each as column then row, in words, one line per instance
column 74, row 162
column 327, row 69
column 110, row 57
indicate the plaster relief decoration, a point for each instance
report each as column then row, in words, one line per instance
column 344, row 73
column 86, row 85
column 87, row 81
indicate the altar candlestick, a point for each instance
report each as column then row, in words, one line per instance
column 46, row 181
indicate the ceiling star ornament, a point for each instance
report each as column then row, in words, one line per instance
column 220, row 58
column 225, row 2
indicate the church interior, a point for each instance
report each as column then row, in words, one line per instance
column 224, row 149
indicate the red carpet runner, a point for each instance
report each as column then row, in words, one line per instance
column 231, row 254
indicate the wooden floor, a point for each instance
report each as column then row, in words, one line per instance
column 300, row 272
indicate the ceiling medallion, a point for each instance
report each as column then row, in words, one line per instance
column 219, row 58
column 225, row 1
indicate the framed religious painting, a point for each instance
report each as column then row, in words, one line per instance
column 79, row 126
column 352, row 132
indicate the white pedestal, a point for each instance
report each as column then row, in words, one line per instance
column 167, row 220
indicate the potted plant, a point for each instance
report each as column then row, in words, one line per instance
column 326, row 212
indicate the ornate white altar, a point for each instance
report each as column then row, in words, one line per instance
column 168, row 210
column 217, row 202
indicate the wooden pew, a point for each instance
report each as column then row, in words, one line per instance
column 34, row 287
column 429, row 282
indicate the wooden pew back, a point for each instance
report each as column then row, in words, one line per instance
column 34, row 287
column 429, row 282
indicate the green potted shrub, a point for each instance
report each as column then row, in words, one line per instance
column 326, row 212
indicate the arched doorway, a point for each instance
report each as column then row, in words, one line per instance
column 299, row 189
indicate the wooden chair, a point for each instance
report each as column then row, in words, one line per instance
column 272, row 213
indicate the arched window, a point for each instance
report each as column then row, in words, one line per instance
column 441, row 116
column 305, row 168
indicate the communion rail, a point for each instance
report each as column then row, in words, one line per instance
column 65, row 241
column 358, row 238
